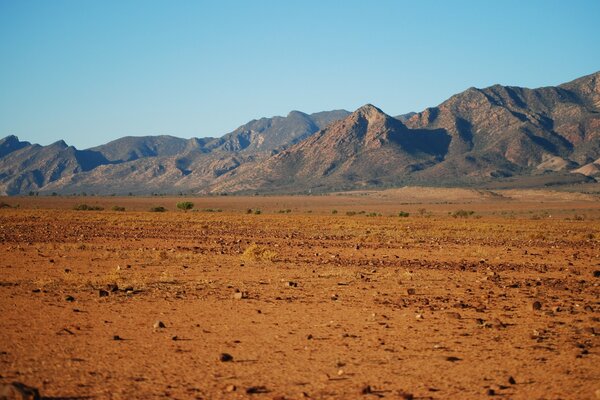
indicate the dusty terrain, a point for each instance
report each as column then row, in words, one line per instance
column 501, row 302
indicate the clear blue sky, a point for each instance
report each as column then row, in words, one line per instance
column 92, row 71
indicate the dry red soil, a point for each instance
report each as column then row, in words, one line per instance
column 309, row 304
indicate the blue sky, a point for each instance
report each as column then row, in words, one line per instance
column 91, row 71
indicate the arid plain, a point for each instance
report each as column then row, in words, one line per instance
column 474, row 294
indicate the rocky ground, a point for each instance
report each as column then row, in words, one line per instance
column 494, row 297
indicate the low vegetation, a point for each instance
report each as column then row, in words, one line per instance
column 462, row 213
column 118, row 208
column 258, row 253
column 158, row 209
column 87, row 207
column 185, row 205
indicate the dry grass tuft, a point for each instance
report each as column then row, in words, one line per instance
column 258, row 253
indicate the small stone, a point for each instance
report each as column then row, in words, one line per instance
column 340, row 372
column 239, row 295
column 366, row 390
column 452, row 359
column 405, row 395
column 102, row 293
column 159, row 325
column 453, row 315
column 410, row 291
column 69, row 298
column 112, row 287
column 536, row 305
column 36, row 290
column 309, row 337
column 511, row 380
column 598, row 394
column 491, row 392
column 18, row 390
column 597, row 274
column 419, row 316
column 291, row 284
column 117, row 337
column 225, row 357
column 230, row 388
column 256, row 390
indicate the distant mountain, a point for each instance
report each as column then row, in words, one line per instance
column 367, row 148
column 149, row 164
column 497, row 135
column 268, row 134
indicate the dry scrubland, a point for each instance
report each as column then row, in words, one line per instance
column 501, row 302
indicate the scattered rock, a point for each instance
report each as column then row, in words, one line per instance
column 405, row 395
column 36, row 290
column 536, row 305
column 366, row 390
column 256, row 390
column 309, row 337
column 419, row 316
column 159, row 325
column 511, row 380
column 453, row 315
column 597, row 274
column 230, row 388
column 69, row 298
column 18, row 391
column 225, row 357
column 490, row 392
column 117, row 337
column 410, row 291
column 102, row 293
column 291, row 284
column 452, row 359
column 112, row 287
column 240, row 295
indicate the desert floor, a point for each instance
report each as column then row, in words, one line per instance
column 501, row 302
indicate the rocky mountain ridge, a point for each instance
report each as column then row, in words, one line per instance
column 547, row 135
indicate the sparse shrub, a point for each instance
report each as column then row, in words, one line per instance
column 249, row 211
column 462, row 213
column 4, row 205
column 334, row 211
column 185, row 205
column 118, row 208
column 257, row 212
column 258, row 253
column 86, row 207
column 158, row 209
column 422, row 211
column 212, row 210
column 350, row 213
column 578, row 217
column 285, row 211
column 373, row 214
column 403, row 214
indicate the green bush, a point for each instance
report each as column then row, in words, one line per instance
column 158, row 209
column 403, row 214
column 185, row 205
column 334, row 211
column 118, row 208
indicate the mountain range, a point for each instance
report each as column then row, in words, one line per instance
column 499, row 134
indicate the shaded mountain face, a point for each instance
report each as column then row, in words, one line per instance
column 503, row 131
column 477, row 136
column 31, row 167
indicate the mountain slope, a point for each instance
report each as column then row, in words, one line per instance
column 366, row 148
